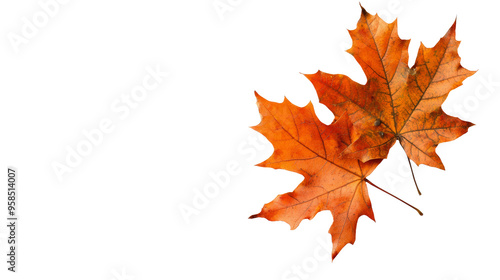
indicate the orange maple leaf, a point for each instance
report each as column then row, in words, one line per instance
column 397, row 102
column 303, row 144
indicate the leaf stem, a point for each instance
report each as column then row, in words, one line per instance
column 412, row 174
column 415, row 208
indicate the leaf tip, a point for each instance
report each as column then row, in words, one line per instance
column 451, row 31
column 363, row 10
column 454, row 25
column 334, row 255
column 310, row 75
column 262, row 164
column 441, row 166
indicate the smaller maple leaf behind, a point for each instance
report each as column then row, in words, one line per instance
column 303, row 144
column 397, row 102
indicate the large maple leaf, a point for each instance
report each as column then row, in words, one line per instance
column 397, row 102
column 305, row 145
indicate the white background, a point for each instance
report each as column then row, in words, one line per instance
column 117, row 215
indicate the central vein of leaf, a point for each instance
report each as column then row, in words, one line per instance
column 385, row 73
